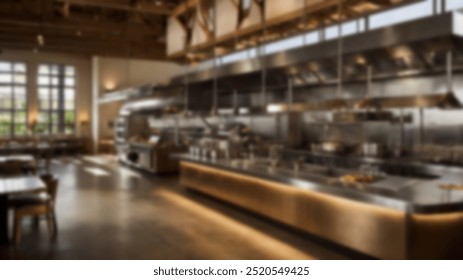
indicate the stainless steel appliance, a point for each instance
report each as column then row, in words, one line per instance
column 139, row 144
column 154, row 158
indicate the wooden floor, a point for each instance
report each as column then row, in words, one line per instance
column 107, row 211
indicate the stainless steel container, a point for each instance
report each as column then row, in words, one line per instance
column 371, row 149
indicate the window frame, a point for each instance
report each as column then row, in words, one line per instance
column 60, row 110
column 13, row 110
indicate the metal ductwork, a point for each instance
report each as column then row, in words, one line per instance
column 446, row 101
column 412, row 48
column 442, row 101
column 151, row 105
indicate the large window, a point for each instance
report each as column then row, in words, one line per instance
column 57, row 88
column 13, row 99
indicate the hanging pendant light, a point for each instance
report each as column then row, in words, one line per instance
column 40, row 37
column 215, row 109
column 40, row 40
column 186, row 93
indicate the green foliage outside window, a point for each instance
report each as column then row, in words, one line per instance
column 4, row 128
column 56, row 98
column 13, row 99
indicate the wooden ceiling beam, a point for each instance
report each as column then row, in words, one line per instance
column 82, row 41
column 381, row 2
column 79, row 35
column 78, row 25
column 139, row 8
column 184, row 7
column 137, row 53
column 282, row 26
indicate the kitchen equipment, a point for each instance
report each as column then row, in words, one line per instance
column 451, row 187
column 298, row 163
column 363, row 116
column 355, row 179
column 152, row 153
column 372, row 149
column 331, row 147
column 275, row 152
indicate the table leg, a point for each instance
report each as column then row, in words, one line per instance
column 47, row 165
column 3, row 220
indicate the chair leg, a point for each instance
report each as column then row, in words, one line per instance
column 55, row 225
column 50, row 225
column 17, row 228
column 35, row 221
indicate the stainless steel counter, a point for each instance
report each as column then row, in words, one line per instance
column 410, row 195
column 393, row 218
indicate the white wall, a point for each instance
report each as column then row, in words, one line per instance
column 116, row 74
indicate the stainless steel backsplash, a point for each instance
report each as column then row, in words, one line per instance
column 441, row 127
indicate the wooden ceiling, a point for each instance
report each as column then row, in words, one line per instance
column 137, row 28
column 118, row 28
column 197, row 21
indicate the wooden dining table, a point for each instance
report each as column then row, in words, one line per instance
column 12, row 186
column 28, row 161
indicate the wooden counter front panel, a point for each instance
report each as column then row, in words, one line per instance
column 376, row 231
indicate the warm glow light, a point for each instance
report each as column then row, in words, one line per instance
column 314, row 66
column 402, row 52
column 361, row 60
column 40, row 40
column 274, row 108
column 32, row 119
column 259, row 240
column 83, row 118
column 109, row 85
column 377, row 231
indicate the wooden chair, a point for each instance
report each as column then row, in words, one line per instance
column 12, row 168
column 37, row 205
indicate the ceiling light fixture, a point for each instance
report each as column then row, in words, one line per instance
column 40, row 40
column 40, row 37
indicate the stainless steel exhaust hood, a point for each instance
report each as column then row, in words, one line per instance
column 363, row 116
column 413, row 47
column 151, row 105
column 327, row 105
column 443, row 101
